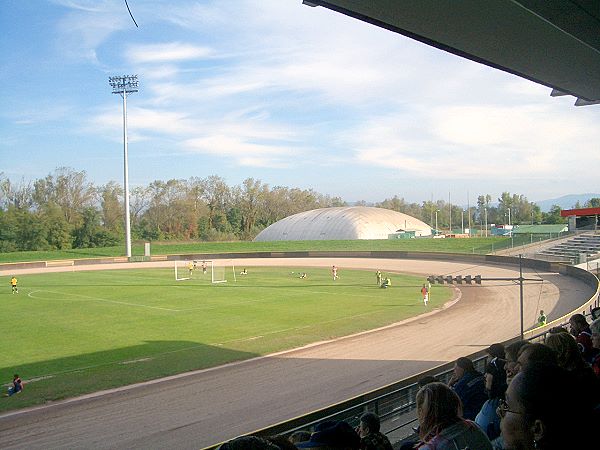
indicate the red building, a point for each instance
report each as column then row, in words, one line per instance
column 582, row 218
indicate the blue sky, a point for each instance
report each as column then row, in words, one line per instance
column 278, row 91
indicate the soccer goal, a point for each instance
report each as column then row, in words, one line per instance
column 221, row 270
column 182, row 270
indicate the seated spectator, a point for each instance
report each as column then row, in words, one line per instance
column 555, row 330
column 469, row 385
column 334, row 435
column 535, row 355
column 495, row 386
column 370, row 436
column 512, row 353
column 595, row 329
column 581, row 330
column 569, row 358
column 426, row 380
column 568, row 355
column 441, row 426
column 17, row 386
column 496, row 351
column 543, row 410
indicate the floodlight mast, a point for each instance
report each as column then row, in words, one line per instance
column 123, row 85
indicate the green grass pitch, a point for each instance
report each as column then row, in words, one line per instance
column 79, row 332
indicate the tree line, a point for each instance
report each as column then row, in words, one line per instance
column 66, row 210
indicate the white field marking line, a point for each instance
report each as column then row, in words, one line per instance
column 78, row 369
column 100, row 299
column 252, row 338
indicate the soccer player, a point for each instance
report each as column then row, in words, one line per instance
column 425, row 293
column 191, row 267
column 204, row 267
column 13, row 283
column 378, row 275
column 334, row 273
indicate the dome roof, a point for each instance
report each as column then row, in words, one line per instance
column 347, row 222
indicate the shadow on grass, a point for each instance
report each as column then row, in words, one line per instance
column 57, row 379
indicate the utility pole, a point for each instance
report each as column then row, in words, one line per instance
column 123, row 85
column 468, row 279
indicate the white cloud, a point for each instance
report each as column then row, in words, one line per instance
column 167, row 52
column 241, row 151
column 500, row 143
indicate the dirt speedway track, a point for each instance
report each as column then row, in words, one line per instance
column 194, row 410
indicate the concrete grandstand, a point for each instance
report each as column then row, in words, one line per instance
column 348, row 222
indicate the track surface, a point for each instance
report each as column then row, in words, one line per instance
column 198, row 409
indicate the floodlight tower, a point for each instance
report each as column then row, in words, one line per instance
column 123, row 85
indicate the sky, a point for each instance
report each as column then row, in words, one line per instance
column 281, row 92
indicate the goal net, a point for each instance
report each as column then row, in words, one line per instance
column 219, row 270
column 182, row 270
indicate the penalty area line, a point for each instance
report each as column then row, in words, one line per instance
column 100, row 299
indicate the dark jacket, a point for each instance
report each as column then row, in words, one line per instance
column 375, row 441
column 471, row 390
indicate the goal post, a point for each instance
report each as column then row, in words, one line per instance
column 221, row 270
column 181, row 270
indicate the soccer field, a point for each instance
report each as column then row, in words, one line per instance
column 77, row 332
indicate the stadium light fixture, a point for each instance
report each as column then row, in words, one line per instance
column 123, row 85
column 478, row 279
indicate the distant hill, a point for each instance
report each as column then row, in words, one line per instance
column 566, row 201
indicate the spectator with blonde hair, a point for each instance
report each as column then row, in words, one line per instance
column 441, row 426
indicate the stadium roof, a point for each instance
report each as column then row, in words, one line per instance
column 341, row 223
column 580, row 212
column 552, row 42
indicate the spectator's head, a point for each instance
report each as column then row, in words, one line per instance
column 338, row 436
column 495, row 380
column 555, row 330
column 512, row 353
column 578, row 323
column 542, row 410
column 536, row 355
column 426, row 380
column 595, row 313
column 568, row 355
column 595, row 329
column 438, row 407
column 496, row 351
column 369, row 423
column 462, row 366
column 299, row 436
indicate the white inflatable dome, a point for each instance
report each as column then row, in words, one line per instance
column 342, row 223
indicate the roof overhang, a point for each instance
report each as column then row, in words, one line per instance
column 552, row 42
column 580, row 212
